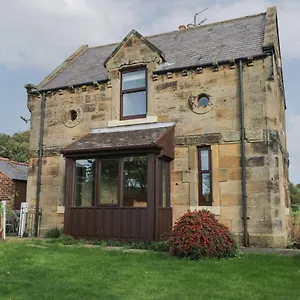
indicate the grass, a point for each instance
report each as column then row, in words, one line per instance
column 57, row 272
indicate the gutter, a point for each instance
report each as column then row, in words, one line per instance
column 243, row 156
column 67, row 152
column 40, row 157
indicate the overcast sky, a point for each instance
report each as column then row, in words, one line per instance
column 37, row 35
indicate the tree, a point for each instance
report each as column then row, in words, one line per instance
column 294, row 193
column 15, row 147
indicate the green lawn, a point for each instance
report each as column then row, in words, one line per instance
column 58, row 272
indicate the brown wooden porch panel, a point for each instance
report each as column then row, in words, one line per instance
column 164, row 222
column 130, row 224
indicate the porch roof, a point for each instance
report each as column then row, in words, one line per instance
column 135, row 137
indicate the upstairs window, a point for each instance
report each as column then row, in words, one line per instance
column 204, row 161
column 134, row 94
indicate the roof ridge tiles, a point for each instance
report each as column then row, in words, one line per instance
column 13, row 161
column 18, row 163
column 206, row 25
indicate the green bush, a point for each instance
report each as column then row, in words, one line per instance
column 66, row 240
column 199, row 234
column 53, row 233
column 159, row 246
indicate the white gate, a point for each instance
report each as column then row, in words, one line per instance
column 23, row 213
column 3, row 220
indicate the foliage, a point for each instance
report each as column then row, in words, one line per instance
column 66, row 240
column 53, row 233
column 9, row 207
column 69, row 240
column 153, row 246
column 15, row 147
column 294, row 193
column 9, row 211
column 199, row 234
column 295, row 231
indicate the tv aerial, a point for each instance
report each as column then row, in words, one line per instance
column 195, row 17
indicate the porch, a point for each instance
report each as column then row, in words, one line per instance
column 118, row 183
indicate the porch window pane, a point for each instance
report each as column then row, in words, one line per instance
column 135, row 181
column 109, row 181
column 85, row 182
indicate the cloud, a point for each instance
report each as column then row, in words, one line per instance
column 293, row 138
column 42, row 33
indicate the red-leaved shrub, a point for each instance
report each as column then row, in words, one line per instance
column 199, row 234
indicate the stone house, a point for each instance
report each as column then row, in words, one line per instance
column 126, row 137
column 13, row 181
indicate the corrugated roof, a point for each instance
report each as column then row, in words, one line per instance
column 13, row 170
column 191, row 47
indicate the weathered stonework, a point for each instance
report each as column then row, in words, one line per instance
column 170, row 99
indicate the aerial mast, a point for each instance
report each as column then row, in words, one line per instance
column 195, row 17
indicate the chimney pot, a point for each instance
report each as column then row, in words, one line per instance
column 190, row 25
column 181, row 27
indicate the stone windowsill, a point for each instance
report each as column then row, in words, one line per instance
column 148, row 119
column 216, row 210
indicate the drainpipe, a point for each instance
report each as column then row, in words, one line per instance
column 40, row 157
column 243, row 156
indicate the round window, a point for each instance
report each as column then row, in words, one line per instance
column 203, row 100
column 73, row 114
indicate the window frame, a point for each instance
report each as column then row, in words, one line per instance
column 134, row 90
column 96, row 201
column 201, row 201
column 75, row 181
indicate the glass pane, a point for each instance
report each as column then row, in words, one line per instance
column 206, row 187
column 135, row 181
column 164, row 183
column 133, row 80
column 134, row 104
column 85, row 182
column 204, row 160
column 109, row 181
column 203, row 101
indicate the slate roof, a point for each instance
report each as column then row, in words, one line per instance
column 196, row 46
column 13, row 170
column 126, row 137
